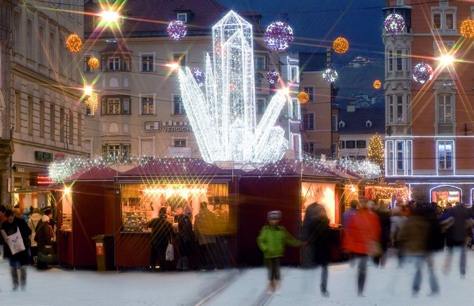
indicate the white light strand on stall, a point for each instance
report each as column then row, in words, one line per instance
column 223, row 116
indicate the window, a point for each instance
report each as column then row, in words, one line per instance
column 361, row 144
column 79, row 128
column 17, row 29
column 52, row 121
column 294, row 74
column 390, row 60
column 437, row 21
column 399, row 60
column 61, row 124
column 179, row 143
column 17, row 111
column 308, row 121
column 29, row 39
column 116, row 105
column 114, row 63
column 41, row 118
column 40, row 48
column 148, row 105
column 30, row 115
column 308, row 147
column 390, row 110
column 71, row 127
column 182, row 17
column 334, row 123
column 179, row 58
column 52, row 46
column 178, row 107
column 261, row 105
column 260, row 62
column 445, row 154
column 449, row 21
column 400, row 115
column 147, row 63
column 350, row 144
column 116, row 151
column 445, row 109
column 398, row 157
column 87, row 68
column 310, row 92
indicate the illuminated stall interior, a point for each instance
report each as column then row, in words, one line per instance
column 321, row 193
column 141, row 202
column 390, row 195
column 446, row 195
column 350, row 193
column 66, row 210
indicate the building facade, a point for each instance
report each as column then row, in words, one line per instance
column 319, row 117
column 43, row 118
column 356, row 126
column 429, row 128
column 140, row 111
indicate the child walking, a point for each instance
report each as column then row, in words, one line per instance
column 272, row 241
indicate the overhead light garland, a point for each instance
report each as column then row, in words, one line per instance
column 394, row 24
column 422, row 73
column 74, row 43
column 467, row 28
column 340, row 45
column 330, row 75
column 272, row 77
column 377, row 84
column 93, row 63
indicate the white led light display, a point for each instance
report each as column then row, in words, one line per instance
column 222, row 113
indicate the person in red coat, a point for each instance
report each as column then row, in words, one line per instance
column 362, row 239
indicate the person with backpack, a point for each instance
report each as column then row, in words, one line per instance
column 272, row 240
column 44, row 238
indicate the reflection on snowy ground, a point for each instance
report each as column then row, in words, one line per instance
column 388, row 286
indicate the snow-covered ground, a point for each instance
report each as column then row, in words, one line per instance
column 389, row 286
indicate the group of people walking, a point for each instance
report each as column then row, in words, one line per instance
column 371, row 232
column 184, row 240
column 25, row 242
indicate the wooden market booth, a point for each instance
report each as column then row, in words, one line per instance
column 120, row 204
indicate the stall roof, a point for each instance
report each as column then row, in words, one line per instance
column 95, row 174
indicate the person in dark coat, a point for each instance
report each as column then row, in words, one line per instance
column 185, row 239
column 457, row 222
column 385, row 225
column 316, row 233
column 19, row 260
column 161, row 235
column 44, row 238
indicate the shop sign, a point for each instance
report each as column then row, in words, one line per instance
column 167, row 127
column 43, row 156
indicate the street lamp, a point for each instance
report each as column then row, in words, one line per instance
column 446, row 60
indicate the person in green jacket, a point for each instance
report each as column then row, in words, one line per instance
column 272, row 241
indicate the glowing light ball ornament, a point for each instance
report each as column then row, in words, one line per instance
column 394, row 24
column 340, row 45
column 222, row 113
column 330, row 75
column 467, row 28
column 272, row 77
column 278, row 36
column 74, row 43
column 177, row 30
column 303, row 97
column 93, row 63
column 422, row 73
column 199, row 76
column 377, row 84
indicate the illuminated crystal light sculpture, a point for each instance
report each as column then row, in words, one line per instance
column 222, row 113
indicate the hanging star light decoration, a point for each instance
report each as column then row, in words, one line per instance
column 330, row 75
column 74, row 43
column 278, row 36
column 198, row 76
column 177, row 30
column 340, row 45
column 222, row 114
column 93, row 63
column 422, row 73
column 467, row 28
column 394, row 24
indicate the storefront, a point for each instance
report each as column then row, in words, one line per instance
column 446, row 195
column 390, row 194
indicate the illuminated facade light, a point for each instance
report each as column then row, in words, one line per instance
column 173, row 66
column 109, row 16
column 222, row 113
column 446, row 60
column 67, row 190
column 87, row 90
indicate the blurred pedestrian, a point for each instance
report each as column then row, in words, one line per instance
column 346, row 216
column 316, row 233
column 33, row 222
column 3, row 218
column 272, row 240
column 161, row 236
column 185, row 239
column 16, row 237
column 382, row 212
column 458, row 223
column 204, row 229
column 415, row 239
column 44, row 238
column 397, row 221
column 362, row 239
